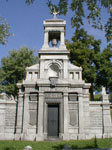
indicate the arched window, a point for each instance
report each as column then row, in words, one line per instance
column 54, row 71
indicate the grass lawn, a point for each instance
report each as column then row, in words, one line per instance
column 19, row 145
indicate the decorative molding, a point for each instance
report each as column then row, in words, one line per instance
column 53, row 81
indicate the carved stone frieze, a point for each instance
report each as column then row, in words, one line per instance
column 53, row 95
column 73, row 97
column 33, row 96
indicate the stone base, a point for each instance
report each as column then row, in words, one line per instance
column 81, row 136
column 9, row 136
column 39, row 137
column 109, row 135
column 28, row 137
column 17, row 136
column 66, row 136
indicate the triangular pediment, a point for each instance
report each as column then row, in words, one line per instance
column 73, row 67
column 33, row 67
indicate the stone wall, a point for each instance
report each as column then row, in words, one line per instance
column 73, row 119
column 96, row 119
column 7, row 119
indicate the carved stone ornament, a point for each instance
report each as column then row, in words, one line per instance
column 53, row 81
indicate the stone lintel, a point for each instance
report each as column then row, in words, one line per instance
column 32, row 69
column 58, row 29
column 78, row 85
column 54, row 22
column 55, row 51
column 57, row 85
column 29, row 85
column 11, row 102
column 62, row 84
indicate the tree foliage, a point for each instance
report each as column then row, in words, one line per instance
column 89, row 9
column 13, row 69
column 4, row 31
column 85, row 52
column 105, row 69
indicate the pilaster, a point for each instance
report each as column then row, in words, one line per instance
column 107, row 124
column 42, row 68
column 40, row 136
column 45, row 120
column 45, row 40
column 62, row 41
column 26, row 116
column 19, row 125
column 66, row 135
column 81, row 117
column 65, row 69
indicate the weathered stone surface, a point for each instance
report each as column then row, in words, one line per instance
column 33, row 118
column 77, row 117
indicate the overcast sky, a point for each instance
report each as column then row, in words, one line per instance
column 27, row 25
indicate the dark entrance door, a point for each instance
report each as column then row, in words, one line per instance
column 53, row 120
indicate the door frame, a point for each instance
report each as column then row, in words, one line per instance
column 58, row 122
column 61, row 115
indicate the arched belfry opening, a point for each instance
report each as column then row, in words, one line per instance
column 54, row 38
column 54, row 34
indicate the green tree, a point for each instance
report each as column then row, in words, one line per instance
column 4, row 31
column 13, row 69
column 89, row 9
column 85, row 52
column 105, row 69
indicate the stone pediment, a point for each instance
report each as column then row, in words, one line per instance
column 73, row 67
column 33, row 67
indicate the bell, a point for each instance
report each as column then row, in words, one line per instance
column 54, row 42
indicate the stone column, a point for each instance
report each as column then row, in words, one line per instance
column 81, row 121
column 65, row 68
column 61, row 126
column 45, row 120
column 26, row 116
column 19, row 125
column 46, row 34
column 62, row 40
column 66, row 111
column 42, row 68
column 39, row 136
column 80, row 75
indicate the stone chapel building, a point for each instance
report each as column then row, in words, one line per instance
column 53, row 99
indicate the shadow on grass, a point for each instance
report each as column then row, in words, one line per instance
column 73, row 147
column 9, row 148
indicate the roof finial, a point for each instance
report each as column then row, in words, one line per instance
column 54, row 12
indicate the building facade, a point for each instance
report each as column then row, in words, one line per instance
column 53, row 99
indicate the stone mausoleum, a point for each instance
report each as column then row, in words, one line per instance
column 53, row 100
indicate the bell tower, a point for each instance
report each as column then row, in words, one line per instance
column 54, row 53
column 54, row 34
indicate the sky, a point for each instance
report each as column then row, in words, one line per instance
column 26, row 24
